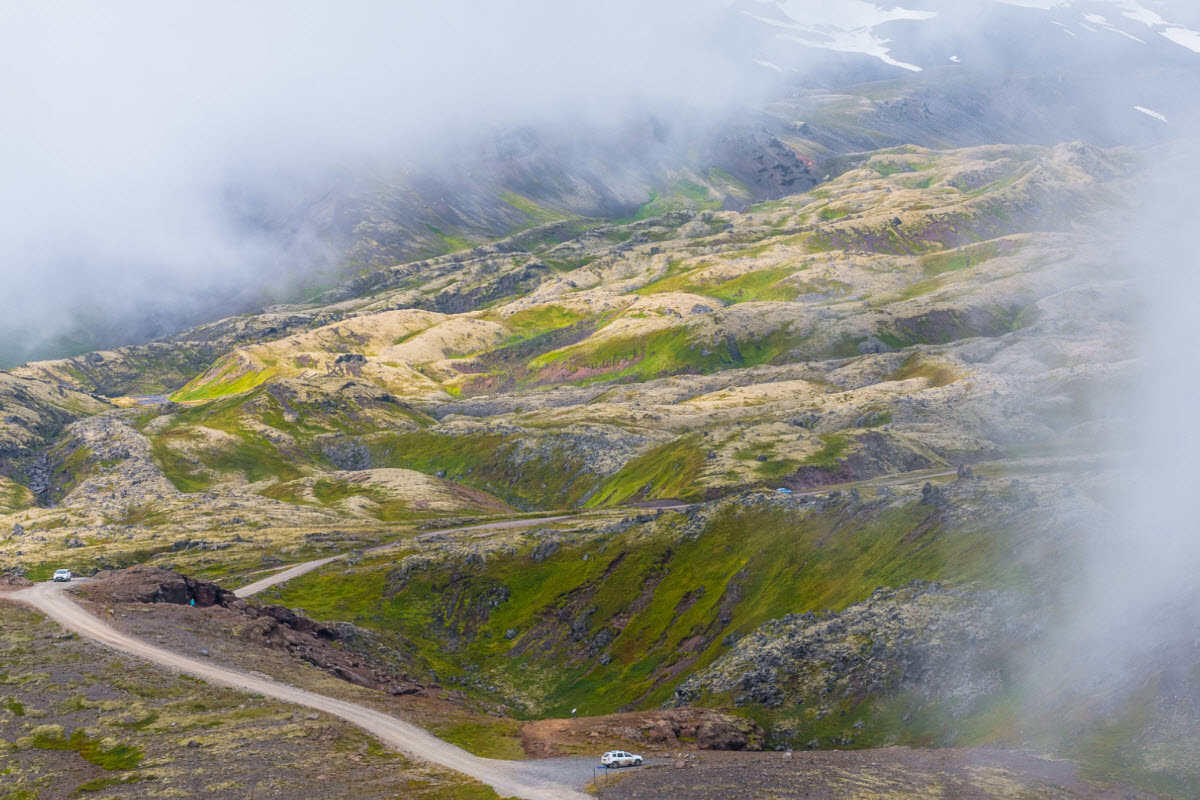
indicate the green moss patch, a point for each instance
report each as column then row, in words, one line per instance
column 667, row 472
column 115, row 757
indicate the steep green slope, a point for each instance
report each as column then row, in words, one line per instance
column 610, row 619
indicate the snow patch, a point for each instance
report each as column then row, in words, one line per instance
column 1103, row 22
column 1131, row 9
column 1045, row 5
column 1185, row 37
column 1148, row 112
column 847, row 26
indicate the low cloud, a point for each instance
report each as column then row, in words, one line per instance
column 142, row 138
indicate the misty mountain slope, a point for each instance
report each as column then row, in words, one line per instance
column 823, row 337
column 757, row 376
column 161, row 367
column 528, row 177
column 141, row 369
column 518, row 183
column 975, row 195
column 855, row 344
column 812, row 340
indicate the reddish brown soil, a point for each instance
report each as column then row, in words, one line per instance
column 649, row 733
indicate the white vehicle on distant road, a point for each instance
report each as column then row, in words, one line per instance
column 62, row 575
column 619, row 758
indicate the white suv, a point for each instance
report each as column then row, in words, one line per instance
column 62, row 575
column 619, row 758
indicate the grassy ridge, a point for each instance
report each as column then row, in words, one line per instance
column 764, row 285
column 667, row 472
column 484, row 461
column 662, row 353
column 235, row 376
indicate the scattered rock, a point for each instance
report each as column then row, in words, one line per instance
column 872, row 346
column 198, row 544
column 544, row 549
column 934, row 496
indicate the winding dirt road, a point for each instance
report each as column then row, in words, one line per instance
column 508, row 778
column 521, row 779
column 308, row 566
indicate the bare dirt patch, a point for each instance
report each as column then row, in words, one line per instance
column 649, row 731
column 77, row 719
column 894, row 773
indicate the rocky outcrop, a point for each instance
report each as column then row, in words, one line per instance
column 264, row 625
column 146, row 584
column 32, row 413
column 106, row 465
column 870, row 455
column 283, row 629
column 923, row 638
column 11, row 580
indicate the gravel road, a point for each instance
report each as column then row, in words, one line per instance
column 531, row 780
column 308, row 566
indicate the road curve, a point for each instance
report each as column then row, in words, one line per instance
column 508, row 778
column 308, row 566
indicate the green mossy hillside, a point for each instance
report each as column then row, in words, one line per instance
column 617, row 620
column 557, row 477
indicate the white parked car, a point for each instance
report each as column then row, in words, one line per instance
column 619, row 758
column 62, row 575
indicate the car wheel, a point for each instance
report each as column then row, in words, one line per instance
column 637, row 763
